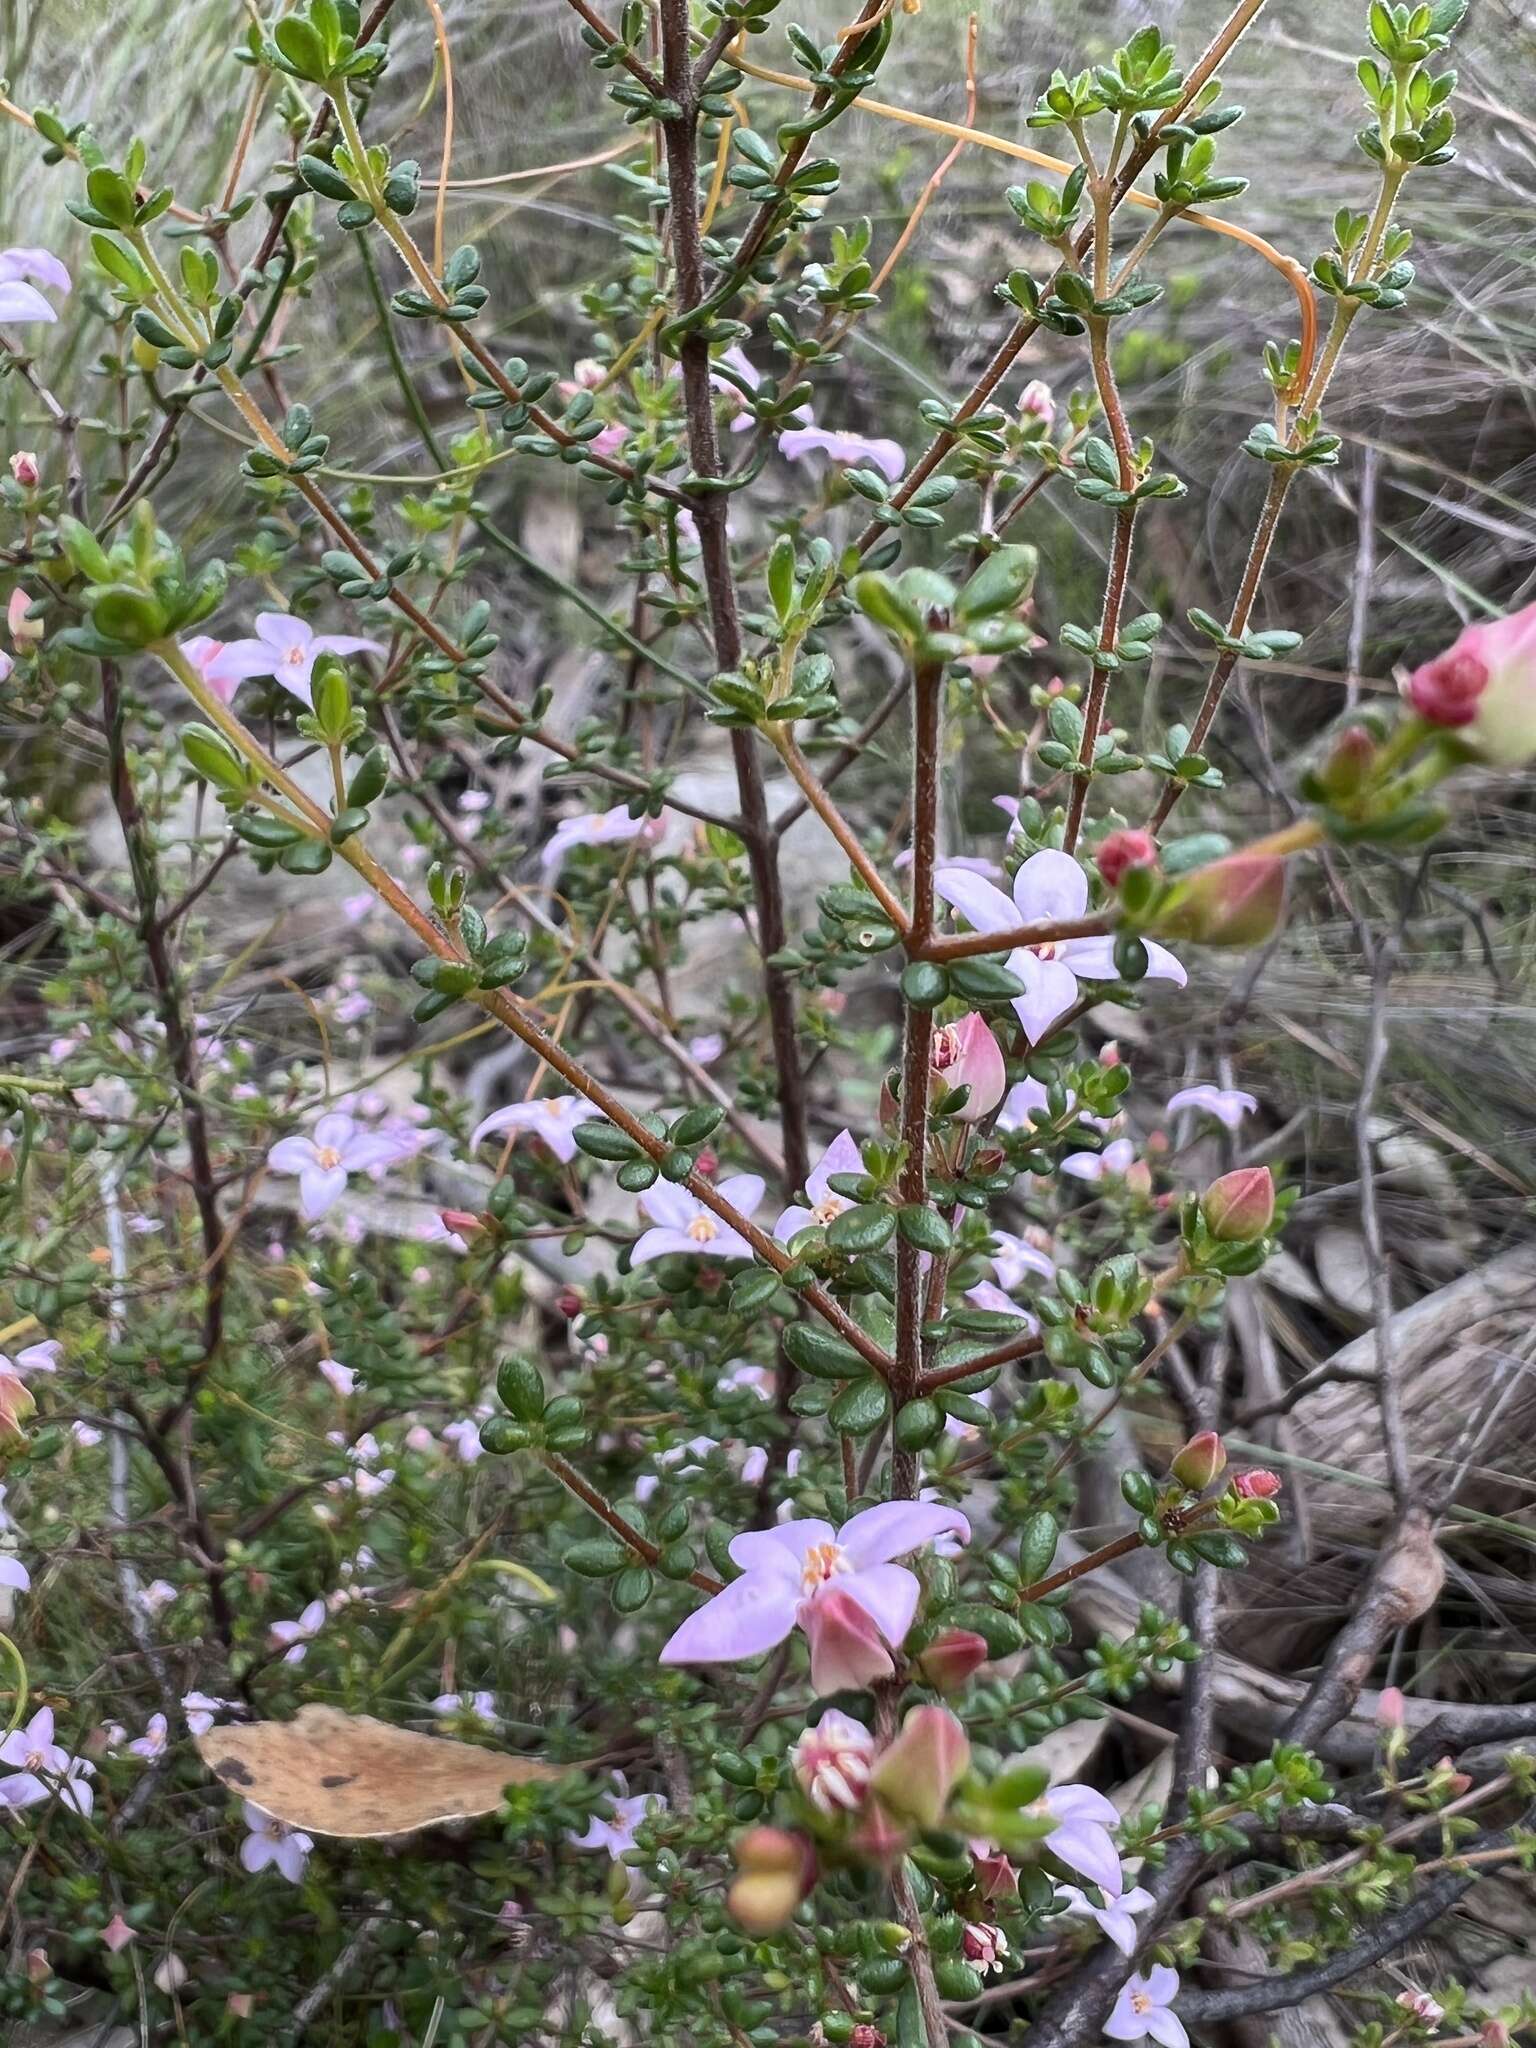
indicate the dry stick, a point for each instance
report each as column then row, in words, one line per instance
column 917, row 1060
column 1378, row 1045
column 179, row 1043
column 681, row 141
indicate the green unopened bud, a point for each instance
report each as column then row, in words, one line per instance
column 1239, row 1208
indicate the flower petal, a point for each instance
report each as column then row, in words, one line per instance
column 792, row 1219
column 744, row 1191
column 983, row 906
column 889, row 1594
column 1050, row 990
column 841, row 1156
column 757, row 1550
column 20, row 302
column 1050, row 887
column 346, row 643
column 320, row 1189
column 895, row 1528
column 753, row 1614
column 659, row 1244
column 665, row 1202
column 292, row 1155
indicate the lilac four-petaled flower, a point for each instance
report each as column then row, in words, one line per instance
column 841, row 1586
column 841, row 1156
column 1081, row 1837
column 1143, row 2010
column 37, row 1768
column 339, row 1146
column 1115, row 1918
column 273, row 1842
column 1049, row 888
column 552, row 1119
column 1228, row 1105
column 285, row 648
column 681, row 1223
column 21, row 301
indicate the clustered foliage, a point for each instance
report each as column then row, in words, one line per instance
column 329, row 1381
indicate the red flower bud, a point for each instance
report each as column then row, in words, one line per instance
column 1256, row 1485
column 1202, row 1459
column 1122, row 850
column 995, row 1876
column 706, row 1163
column 1239, row 1208
column 1239, row 901
column 951, row 1658
column 569, row 1303
column 866, row 2036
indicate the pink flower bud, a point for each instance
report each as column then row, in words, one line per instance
column 1256, row 1485
column 848, row 1651
column 24, row 467
column 984, row 1946
column 1202, row 1459
column 463, row 1222
column 38, row 1967
column 24, row 632
column 1495, row 2034
column 569, row 1303
column 995, row 1876
column 832, row 1762
column 1122, row 850
column 16, row 1405
column 1037, row 403
column 1239, row 1208
column 775, row 1870
column 1239, row 901
column 117, row 1933
column 915, row 1776
column 1389, row 1707
column 966, row 1055
column 951, row 1658
column 1420, row 2006
column 240, row 2005
column 1484, row 688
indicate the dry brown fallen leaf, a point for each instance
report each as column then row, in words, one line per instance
column 332, row 1773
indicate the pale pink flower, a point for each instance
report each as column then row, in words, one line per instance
column 154, row 1739
column 465, row 1439
column 1228, row 1105
column 832, row 1762
column 286, row 648
column 474, row 1706
column 598, row 828
column 20, row 301
column 38, row 1768
column 1116, row 1158
column 294, row 1637
column 1144, row 2010
column 706, row 1048
column 1081, row 1837
column 681, row 1223
column 550, row 1118
column 43, row 1357
column 342, row 1379
column 843, row 448
column 24, row 468
column 271, row 1841
column 841, row 1156
column 617, row 1833
column 339, row 1146
column 1420, row 2006
column 1016, row 1260
column 201, row 1710
column 117, row 1934
column 157, row 1594
column 840, row 1586
column 14, row 1576
column 221, row 666
column 1114, row 1919
column 1049, row 888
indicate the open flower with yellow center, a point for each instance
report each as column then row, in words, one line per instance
column 840, row 1585
column 681, row 1223
column 824, row 1202
column 1050, row 888
column 338, row 1146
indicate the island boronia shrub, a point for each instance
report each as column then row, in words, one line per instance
column 774, row 1568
